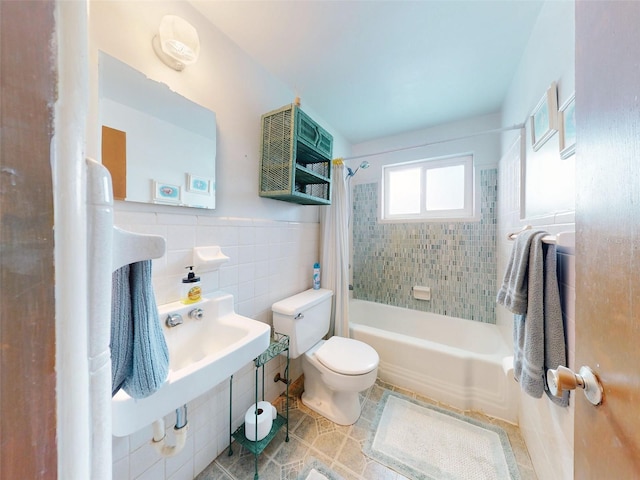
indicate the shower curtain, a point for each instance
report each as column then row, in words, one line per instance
column 335, row 250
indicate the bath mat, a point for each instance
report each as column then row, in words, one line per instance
column 315, row 475
column 424, row 442
column 316, row 470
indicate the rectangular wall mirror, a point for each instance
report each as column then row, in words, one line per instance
column 159, row 146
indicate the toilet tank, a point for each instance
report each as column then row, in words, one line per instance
column 304, row 317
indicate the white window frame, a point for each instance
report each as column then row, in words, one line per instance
column 467, row 213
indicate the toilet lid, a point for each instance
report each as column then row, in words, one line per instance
column 347, row 356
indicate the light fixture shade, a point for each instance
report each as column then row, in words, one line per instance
column 177, row 43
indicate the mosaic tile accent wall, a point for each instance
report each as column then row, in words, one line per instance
column 456, row 259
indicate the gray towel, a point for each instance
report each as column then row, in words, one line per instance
column 139, row 353
column 514, row 290
column 538, row 334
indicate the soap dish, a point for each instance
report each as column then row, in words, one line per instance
column 208, row 259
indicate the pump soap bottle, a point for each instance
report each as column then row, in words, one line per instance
column 191, row 290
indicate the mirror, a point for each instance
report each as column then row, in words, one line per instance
column 158, row 146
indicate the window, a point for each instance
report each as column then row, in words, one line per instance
column 428, row 189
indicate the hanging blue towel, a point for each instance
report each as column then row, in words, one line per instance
column 121, row 328
column 140, row 357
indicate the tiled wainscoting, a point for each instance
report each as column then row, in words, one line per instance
column 269, row 260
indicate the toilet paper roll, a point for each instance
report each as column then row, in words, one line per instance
column 266, row 413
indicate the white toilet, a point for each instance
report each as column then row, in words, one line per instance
column 334, row 370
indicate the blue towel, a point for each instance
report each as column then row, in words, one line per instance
column 121, row 328
column 139, row 353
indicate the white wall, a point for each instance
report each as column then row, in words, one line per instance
column 548, row 204
column 549, row 57
column 485, row 148
column 272, row 244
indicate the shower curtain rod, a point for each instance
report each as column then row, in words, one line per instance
column 435, row 142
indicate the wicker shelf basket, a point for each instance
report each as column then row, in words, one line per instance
column 295, row 158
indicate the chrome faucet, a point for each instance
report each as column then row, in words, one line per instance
column 196, row 314
column 173, row 320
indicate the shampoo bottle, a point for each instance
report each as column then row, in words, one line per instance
column 316, row 276
column 191, row 290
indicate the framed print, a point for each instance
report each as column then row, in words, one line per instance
column 567, row 126
column 544, row 118
column 198, row 184
column 166, row 192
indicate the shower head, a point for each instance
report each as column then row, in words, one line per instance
column 364, row 165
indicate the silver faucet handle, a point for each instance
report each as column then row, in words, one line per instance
column 173, row 320
column 196, row 313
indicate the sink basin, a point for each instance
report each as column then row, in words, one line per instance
column 202, row 353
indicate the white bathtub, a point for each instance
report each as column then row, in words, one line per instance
column 462, row 363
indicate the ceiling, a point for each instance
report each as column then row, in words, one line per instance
column 378, row 68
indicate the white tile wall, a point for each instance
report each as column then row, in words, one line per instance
column 546, row 428
column 269, row 260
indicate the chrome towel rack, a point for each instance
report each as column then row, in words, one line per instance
column 565, row 240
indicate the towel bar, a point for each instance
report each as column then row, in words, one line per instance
column 564, row 240
column 546, row 239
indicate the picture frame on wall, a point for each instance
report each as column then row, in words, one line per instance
column 198, row 184
column 544, row 119
column 166, row 193
column 567, row 125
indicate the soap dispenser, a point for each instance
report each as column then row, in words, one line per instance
column 191, row 290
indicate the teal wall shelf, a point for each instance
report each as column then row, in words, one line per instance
column 295, row 158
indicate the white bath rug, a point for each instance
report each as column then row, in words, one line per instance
column 424, row 442
column 315, row 475
column 316, row 470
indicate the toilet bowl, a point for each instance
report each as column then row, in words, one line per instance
column 335, row 370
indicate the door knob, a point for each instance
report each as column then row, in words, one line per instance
column 564, row 379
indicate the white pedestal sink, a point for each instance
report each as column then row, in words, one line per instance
column 202, row 353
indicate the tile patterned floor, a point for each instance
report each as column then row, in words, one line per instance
column 311, row 436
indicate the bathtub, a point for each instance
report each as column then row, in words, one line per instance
column 462, row 363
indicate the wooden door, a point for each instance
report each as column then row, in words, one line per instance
column 607, row 438
column 27, row 316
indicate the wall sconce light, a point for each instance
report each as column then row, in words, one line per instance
column 177, row 43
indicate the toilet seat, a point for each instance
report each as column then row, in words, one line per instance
column 347, row 356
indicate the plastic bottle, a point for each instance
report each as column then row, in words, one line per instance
column 191, row 290
column 316, row 276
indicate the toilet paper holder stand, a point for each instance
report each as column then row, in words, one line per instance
column 278, row 348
